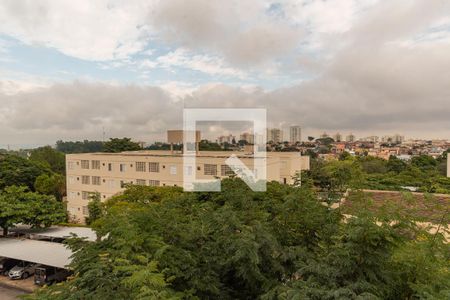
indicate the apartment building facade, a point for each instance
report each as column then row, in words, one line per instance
column 109, row 173
column 295, row 134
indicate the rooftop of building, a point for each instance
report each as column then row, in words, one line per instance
column 168, row 153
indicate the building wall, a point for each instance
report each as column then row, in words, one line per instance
column 295, row 134
column 106, row 173
column 448, row 165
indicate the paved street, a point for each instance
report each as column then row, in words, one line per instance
column 9, row 294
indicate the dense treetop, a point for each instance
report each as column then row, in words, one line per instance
column 162, row 243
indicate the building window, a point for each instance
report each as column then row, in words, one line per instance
column 85, row 179
column 70, row 165
column 85, row 195
column 85, row 211
column 140, row 181
column 123, row 167
column 153, row 182
column 72, row 195
column 85, row 164
column 71, row 180
column 95, row 164
column 153, row 167
column 110, row 167
column 96, row 180
column 140, row 166
column 225, row 170
column 188, row 170
column 111, row 183
column 122, row 184
column 210, row 169
column 173, row 170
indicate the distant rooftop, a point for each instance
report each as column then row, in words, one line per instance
column 56, row 232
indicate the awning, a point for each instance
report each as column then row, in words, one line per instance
column 56, row 232
column 46, row 253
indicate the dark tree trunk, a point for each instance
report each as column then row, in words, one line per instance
column 5, row 231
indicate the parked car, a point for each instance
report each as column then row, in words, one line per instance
column 23, row 270
column 50, row 275
column 7, row 264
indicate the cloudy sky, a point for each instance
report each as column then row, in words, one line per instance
column 68, row 69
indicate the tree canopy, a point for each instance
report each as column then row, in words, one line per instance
column 17, row 205
column 119, row 145
column 15, row 170
column 79, row 146
column 53, row 159
column 163, row 243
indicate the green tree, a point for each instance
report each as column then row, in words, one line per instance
column 17, row 205
column 15, row 170
column 205, row 145
column 162, row 243
column 120, row 145
column 424, row 162
column 396, row 165
column 372, row 165
column 79, row 147
column 51, row 184
column 95, row 208
column 55, row 160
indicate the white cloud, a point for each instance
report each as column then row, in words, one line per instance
column 202, row 63
column 90, row 30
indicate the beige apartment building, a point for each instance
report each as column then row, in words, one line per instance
column 108, row 173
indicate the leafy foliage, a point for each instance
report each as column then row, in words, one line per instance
column 17, row 205
column 15, row 170
column 119, row 145
column 162, row 243
column 48, row 156
column 79, row 147
column 53, row 184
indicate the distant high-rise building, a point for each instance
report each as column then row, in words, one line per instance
column 248, row 137
column 324, row 135
column 337, row 137
column 350, row 138
column 295, row 134
column 274, row 135
column 398, row 139
column 394, row 139
column 225, row 139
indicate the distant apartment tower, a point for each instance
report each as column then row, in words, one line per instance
column 373, row 139
column 395, row 139
column 324, row 135
column 337, row 137
column 226, row 139
column 398, row 139
column 248, row 137
column 295, row 134
column 274, row 135
column 350, row 138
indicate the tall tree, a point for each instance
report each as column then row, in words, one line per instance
column 53, row 184
column 55, row 160
column 17, row 205
column 119, row 145
column 15, row 170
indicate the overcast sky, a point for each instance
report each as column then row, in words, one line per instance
column 68, row 69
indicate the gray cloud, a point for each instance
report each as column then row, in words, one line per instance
column 242, row 31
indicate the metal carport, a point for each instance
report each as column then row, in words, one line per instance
column 46, row 253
